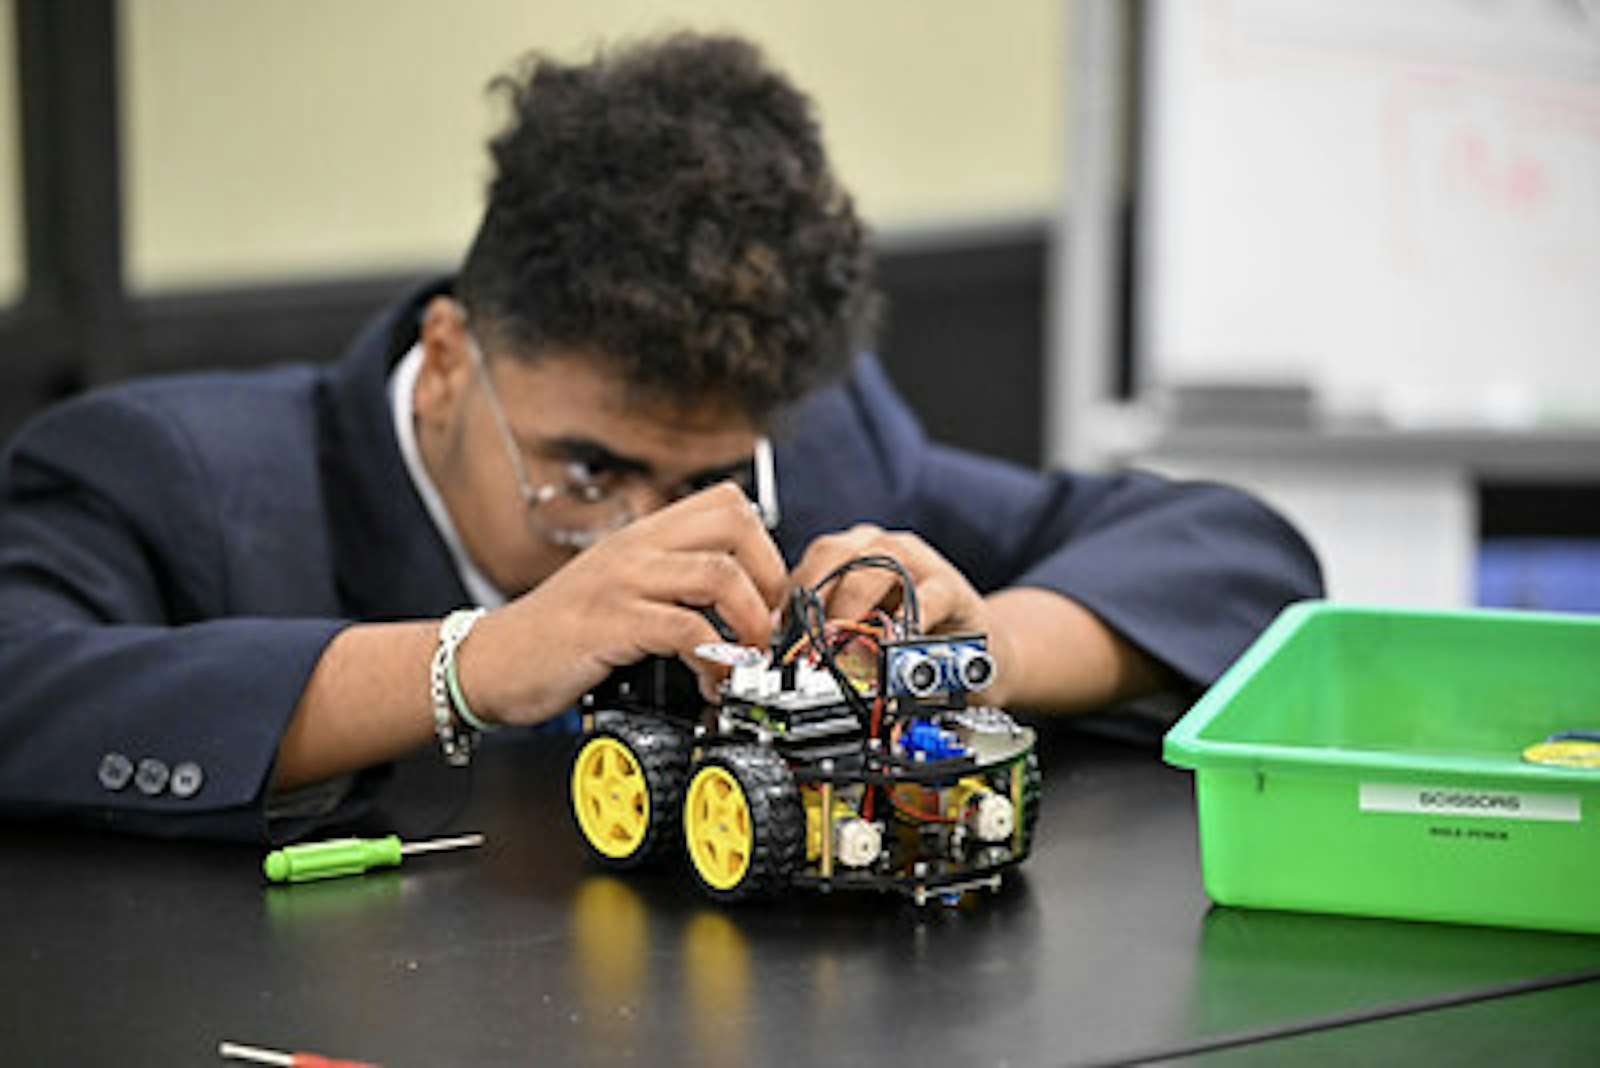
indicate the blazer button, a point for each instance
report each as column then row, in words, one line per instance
column 115, row 771
column 151, row 778
column 187, row 778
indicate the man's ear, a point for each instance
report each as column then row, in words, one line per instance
column 447, row 364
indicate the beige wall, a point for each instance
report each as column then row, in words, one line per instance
column 10, row 176
column 303, row 138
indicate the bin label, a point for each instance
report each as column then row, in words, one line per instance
column 1434, row 800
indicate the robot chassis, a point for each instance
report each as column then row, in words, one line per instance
column 848, row 757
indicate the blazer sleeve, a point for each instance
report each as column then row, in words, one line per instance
column 133, row 699
column 1189, row 572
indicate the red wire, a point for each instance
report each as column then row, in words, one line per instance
column 925, row 817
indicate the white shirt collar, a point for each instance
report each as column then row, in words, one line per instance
column 402, row 384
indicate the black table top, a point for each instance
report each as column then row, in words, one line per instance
column 1103, row 947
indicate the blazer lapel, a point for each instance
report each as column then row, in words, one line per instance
column 389, row 560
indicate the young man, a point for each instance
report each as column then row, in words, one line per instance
column 221, row 596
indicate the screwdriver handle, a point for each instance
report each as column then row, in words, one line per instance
column 331, row 859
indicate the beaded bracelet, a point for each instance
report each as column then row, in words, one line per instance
column 456, row 743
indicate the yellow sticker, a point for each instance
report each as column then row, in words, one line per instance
column 1571, row 753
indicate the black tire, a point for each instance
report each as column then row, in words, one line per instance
column 660, row 753
column 774, row 838
column 1032, row 787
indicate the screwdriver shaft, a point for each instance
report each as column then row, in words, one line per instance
column 240, row 1052
column 464, row 841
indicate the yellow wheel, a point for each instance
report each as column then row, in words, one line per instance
column 716, row 821
column 743, row 822
column 609, row 795
column 626, row 781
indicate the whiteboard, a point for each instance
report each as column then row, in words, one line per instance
column 1396, row 204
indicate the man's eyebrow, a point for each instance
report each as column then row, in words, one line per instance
column 720, row 472
column 596, row 456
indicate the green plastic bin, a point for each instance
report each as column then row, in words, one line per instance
column 1369, row 761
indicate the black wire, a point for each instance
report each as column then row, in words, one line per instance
column 910, row 610
column 807, row 607
column 810, row 615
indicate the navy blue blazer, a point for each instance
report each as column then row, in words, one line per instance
column 176, row 553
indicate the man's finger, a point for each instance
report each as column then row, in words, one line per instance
column 712, row 583
column 718, row 519
column 669, row 630
column 856, row 594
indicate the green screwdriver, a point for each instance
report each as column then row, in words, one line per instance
column 350, row 856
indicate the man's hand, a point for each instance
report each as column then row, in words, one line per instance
column 1051, row 653
column 946, row 600
column 639, row 591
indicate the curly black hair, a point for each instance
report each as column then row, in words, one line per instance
column 669, row 207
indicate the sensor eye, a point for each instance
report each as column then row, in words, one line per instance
column 975, row 668
column 919, row 674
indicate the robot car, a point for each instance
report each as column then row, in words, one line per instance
column 848, row 756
